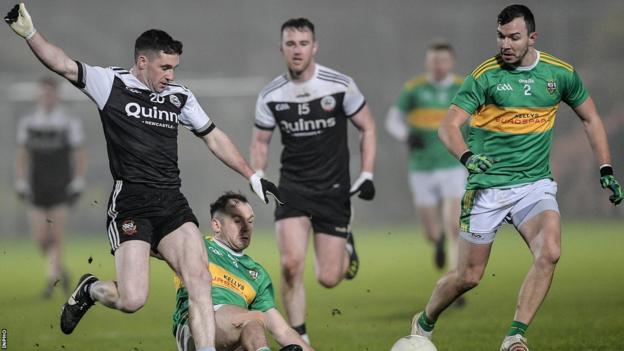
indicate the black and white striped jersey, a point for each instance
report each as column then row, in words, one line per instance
column 49, row 138
column 312, row 118
column 141, row 126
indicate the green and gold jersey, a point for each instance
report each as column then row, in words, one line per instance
column 513, row 114
column 424, row 105
column 236, row 280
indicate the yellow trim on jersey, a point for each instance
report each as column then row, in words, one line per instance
column 418, row 80
column 427, row 118
column 484, row 63
column 555, row 61
column 515, row 120
column 226, row 280
column 489, row 67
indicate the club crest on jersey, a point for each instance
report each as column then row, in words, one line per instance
column 175, row 101
column 328, row 103
column 128, row 227
column 253, row 274
column 551, row 86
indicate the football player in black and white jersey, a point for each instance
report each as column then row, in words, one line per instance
column 312, row 106
column 140, row 110
column 49, row 175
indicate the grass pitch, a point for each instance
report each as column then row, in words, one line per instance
column 584, row 310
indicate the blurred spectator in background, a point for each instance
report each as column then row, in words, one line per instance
column 51, row 165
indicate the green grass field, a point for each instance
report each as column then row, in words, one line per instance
column 584, row 310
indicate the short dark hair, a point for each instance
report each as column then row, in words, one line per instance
column 156, row 40
column 222, row 201
column 512, row 12
column 300, row 23
column 441, row 45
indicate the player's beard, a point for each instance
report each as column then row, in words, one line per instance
column 295, row 74
column 519, row 59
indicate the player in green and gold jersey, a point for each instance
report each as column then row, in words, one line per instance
column 513, row 99
column 436, row 178
column 242, row 292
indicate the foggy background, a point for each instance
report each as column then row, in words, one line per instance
column 231, row 52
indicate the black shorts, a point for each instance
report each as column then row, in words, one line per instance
column 139, row 212
column 329, row 212
column 49, row 195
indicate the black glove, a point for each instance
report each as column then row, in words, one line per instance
column 415, row 141
column 364, row 185
column 263, row 188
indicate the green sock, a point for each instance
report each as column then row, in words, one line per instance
column 517, row 328
column 425, row 322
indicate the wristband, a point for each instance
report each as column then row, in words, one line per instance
column 606, row 170
column 465, row 156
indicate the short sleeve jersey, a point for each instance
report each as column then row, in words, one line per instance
column 141, row 126
column 513, row 115
column 49, row 139
column 424, row 103
column 236, row 280
column 312, row 118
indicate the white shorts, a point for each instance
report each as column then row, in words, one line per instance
column 430, row 187
column 483, row 211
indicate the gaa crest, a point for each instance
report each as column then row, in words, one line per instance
column 128, row 227
column 253, row 274
column 551, row 86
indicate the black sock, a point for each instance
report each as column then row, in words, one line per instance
column 301, row 329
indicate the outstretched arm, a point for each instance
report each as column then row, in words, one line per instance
column 50, row 55
column 222, row 147
column 282, row 332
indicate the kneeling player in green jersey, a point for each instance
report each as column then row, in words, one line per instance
column 513, row 98
column 242, row 292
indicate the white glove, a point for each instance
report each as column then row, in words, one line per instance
column 20, row 21
column 22, row 188
column 364, row 185
column 76, row 186
column 263, row 188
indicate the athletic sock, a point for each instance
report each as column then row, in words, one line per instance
column 425, row 322
column 301, row 329
column 517, row 328
column 264, row 349
column 207, row 348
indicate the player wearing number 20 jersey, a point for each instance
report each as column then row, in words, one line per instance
column 513, row 115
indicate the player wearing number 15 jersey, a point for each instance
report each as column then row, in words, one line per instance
column 312, row 106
